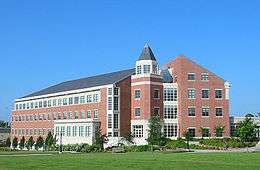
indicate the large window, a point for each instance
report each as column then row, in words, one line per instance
column 87, row 130
column 74, row 130
column 89, row 114
column 116, row 103
column 191, row 93
column 218, row 94
column 170, row 112
column 82, row 99
column 137, row 94
column 68, row 130
column 219, row 111
column 95, row 114
column 57, row 131
column 170, row 130
column 116, row 121
column 76, row 100
column 147, row 69
column 62, row 131
column 138, row 131
column 81, row 130
column 168, row 94
column 89, row 98
column 109, row 103
column 95, row 98
column 191, row 111
column 137, row 112
column 205, row 111
column 205, row 94
column 109, row 120
column 83, row 114
column 191, row 76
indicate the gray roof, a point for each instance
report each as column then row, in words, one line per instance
column 147, row 53
column 88, row 82
column 99, row 80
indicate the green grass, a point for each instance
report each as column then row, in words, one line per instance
column 144, row 160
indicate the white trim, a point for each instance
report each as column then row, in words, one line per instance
column 146, row 83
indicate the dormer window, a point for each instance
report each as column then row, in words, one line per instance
column 155, row 69
column 138, row 70
column 147, row 69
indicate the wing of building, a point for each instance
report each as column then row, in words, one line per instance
column 185, row 95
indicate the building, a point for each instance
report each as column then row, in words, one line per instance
column 234, row 121
column 184, row 94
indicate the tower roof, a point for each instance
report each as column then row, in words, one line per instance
column 147, row 53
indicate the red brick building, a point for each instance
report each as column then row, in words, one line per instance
column 187, row 97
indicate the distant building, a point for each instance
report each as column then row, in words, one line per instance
column 234, row 121
column 4, row 134
column 184, row 94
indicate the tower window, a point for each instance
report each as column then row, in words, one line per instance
column 138, row 70
column 147, row 69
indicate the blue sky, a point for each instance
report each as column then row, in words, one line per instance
column 47, row 42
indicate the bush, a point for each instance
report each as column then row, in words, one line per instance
column 134, row 148
column 91, row 148
column 225, row 142
column 173, row 144
column 5, row 149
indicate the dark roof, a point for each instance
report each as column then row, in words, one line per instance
column 88, row 82
column 147, row 53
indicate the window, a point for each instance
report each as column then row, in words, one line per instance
column 138, row 131
column 62, row 131
column 70, row 100
column 76, row 116
column 76, row 100
column 116, row 121
column 191, row 131
column 204, row 77
column 191, row 93
column 70, row 115
column 157, row 94
column 36, row 104
column 89, row 114
column 170, row 130
column 49, row 103
column 138, row 70
column 40, row 104
column 116, row 91
column 218, row 94
column 95, row 114
column 74, row 130
column 109, row 120
column 65, row 101
column 27, row 106
column 170, row 112
column 87, row 130
column 95, row 98
column 205, row 111
column 109, row 103
column 115, row 134
column 191, row 76
column 168, row 94
column 68, row 130
column 83, row 114
column 54, row 102
column 59, row 115
column 137, row 94
column 205, row 94
column 137, row 112
column 219, row 111
column 155, row 69
column 82, row 99
column 81, row 130
column 64, row 115
column 89, row 98
column 57, row 131
column 109, row 91
column 59, row 102
column 191, row 111
column 147, row 69
column 116, row 100
column 156, row 111
column 44, row 103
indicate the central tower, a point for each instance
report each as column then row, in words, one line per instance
column 147, row 94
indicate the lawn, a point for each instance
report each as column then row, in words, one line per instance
column 144, row 160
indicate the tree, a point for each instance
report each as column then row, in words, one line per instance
column 4, row 124
column 49, row 141
column 39, row 143
column 249, row 115
column 246, row 131
column 8, row 142
column 188, row 138
column 30, row 143
column 155, row 136
column 21, row 143
column 99, row 138
column 219, row 130
column 15, row 142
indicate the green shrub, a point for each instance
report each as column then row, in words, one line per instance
column 225, row 142
column 91, row 148
column 5, row 149
column 173, row 144
column 135, row 148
